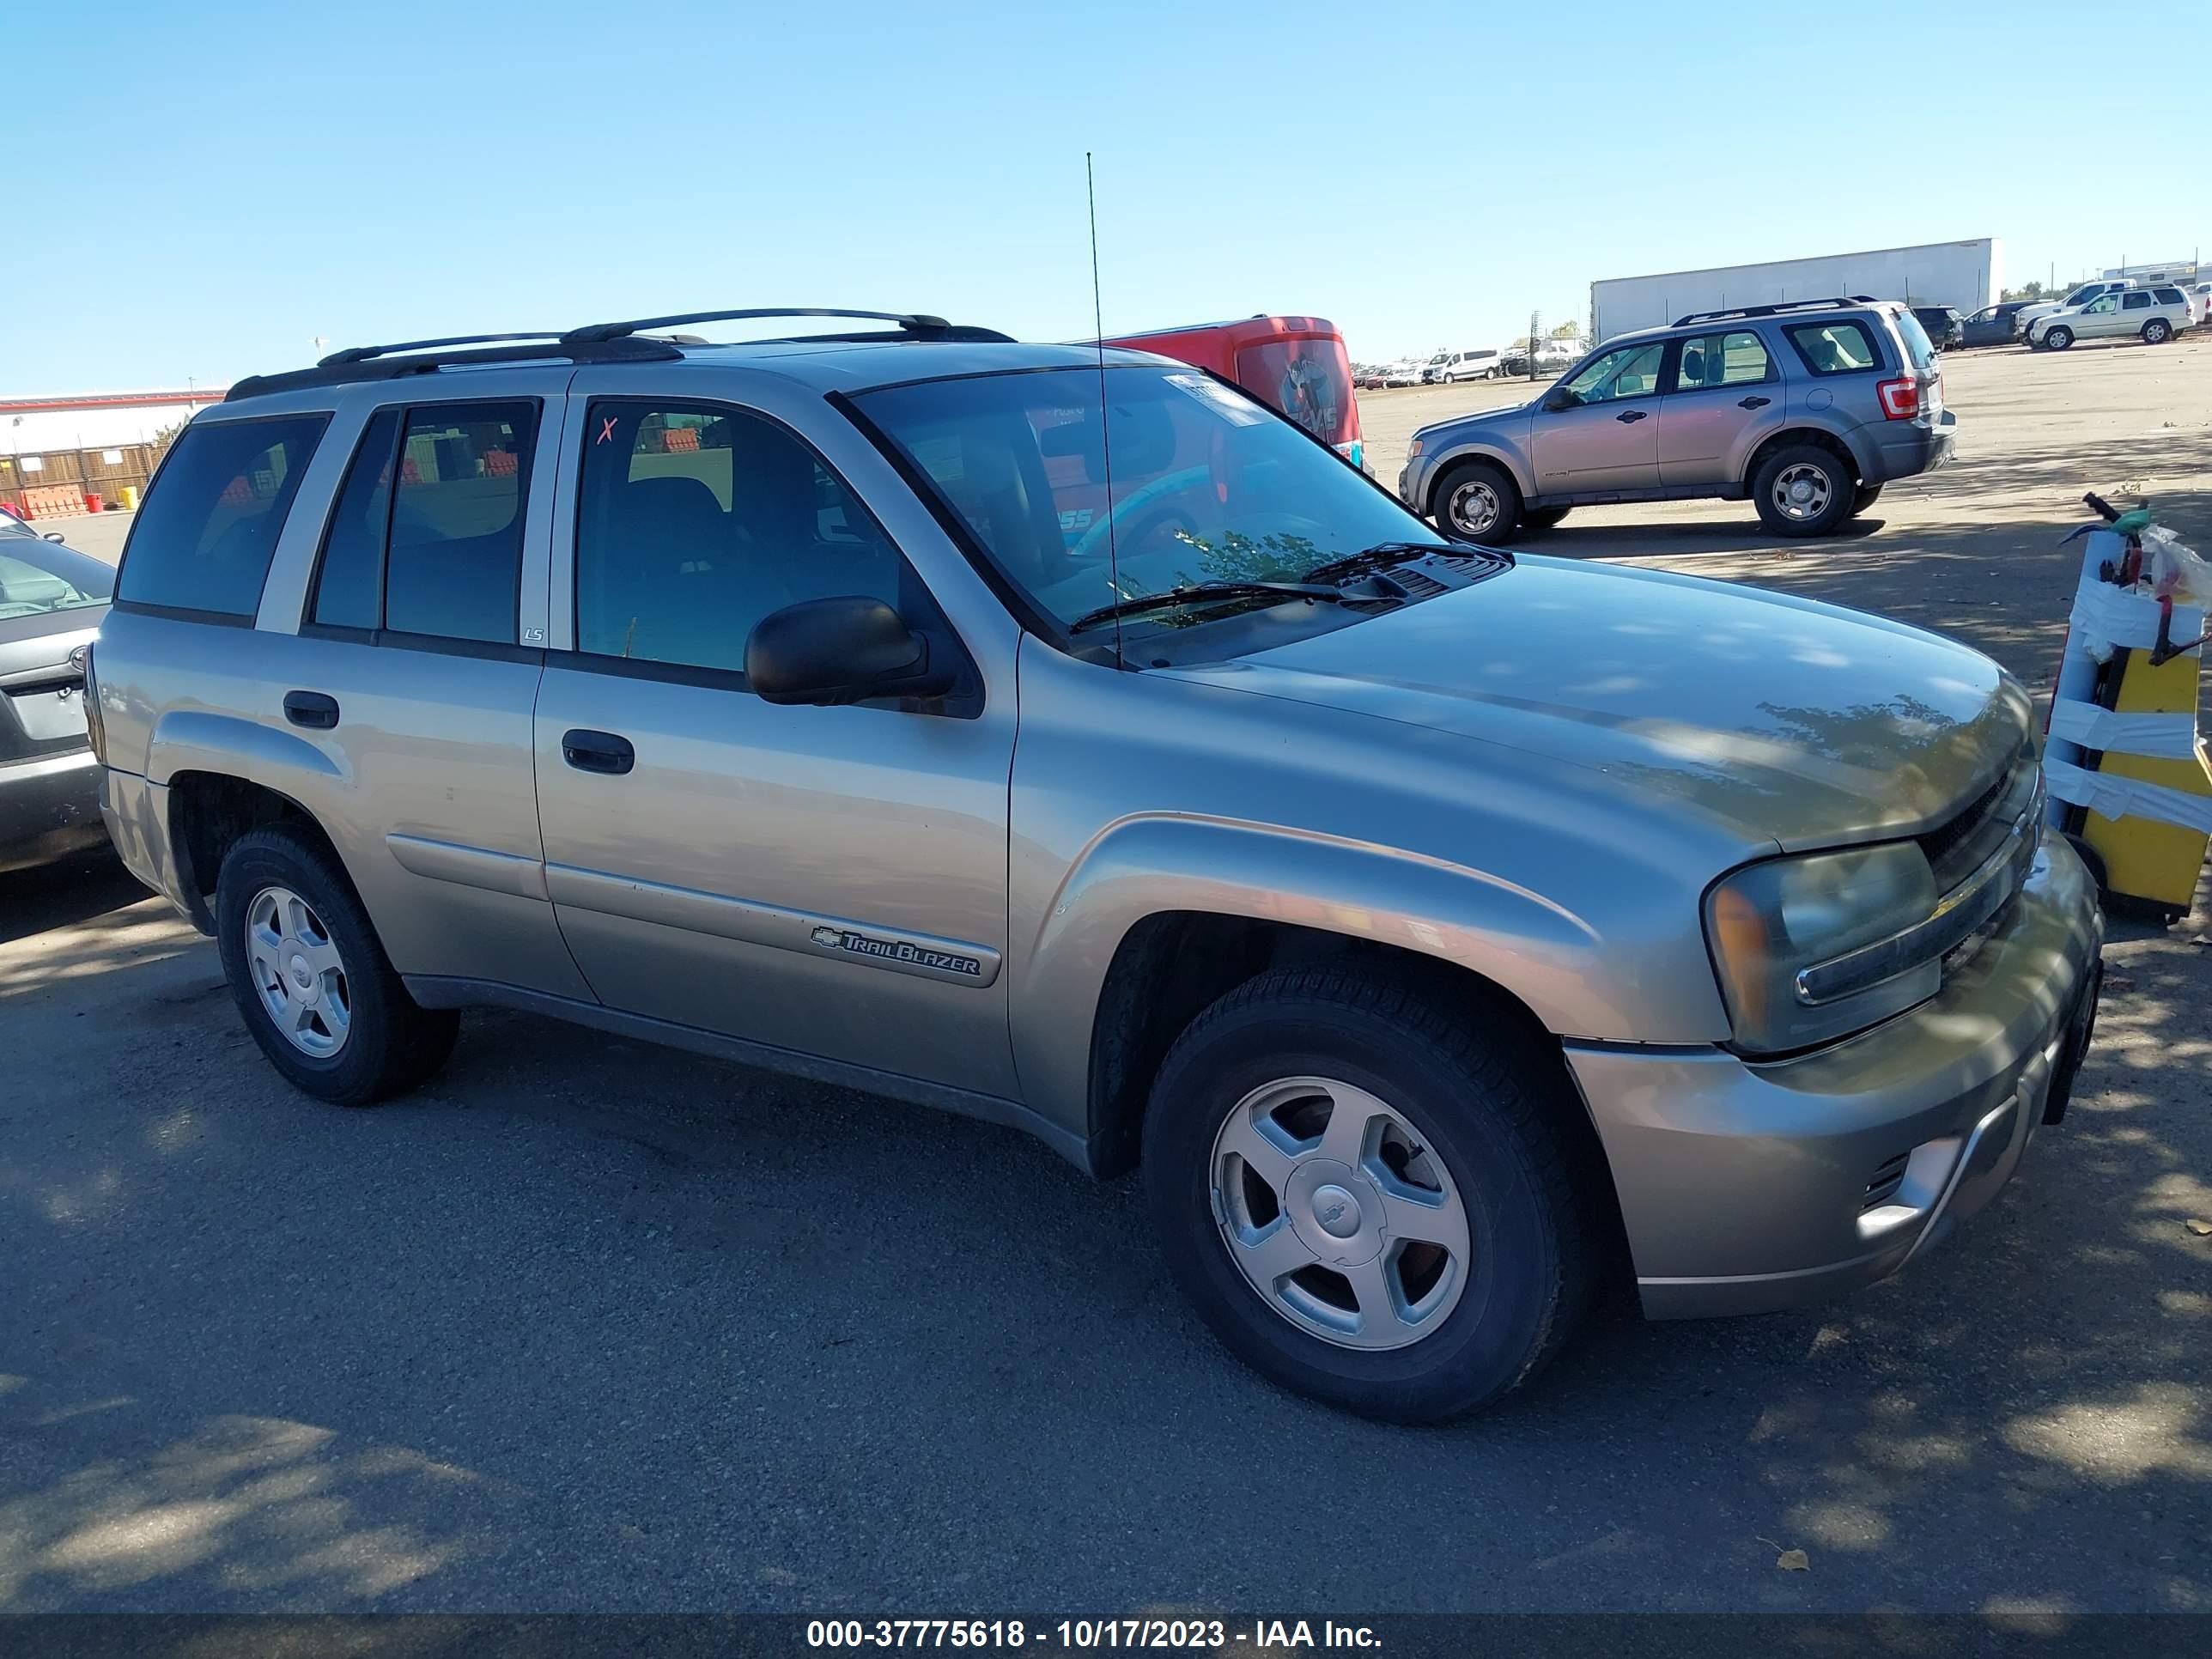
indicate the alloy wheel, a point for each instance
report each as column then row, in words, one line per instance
column 1472, row 507
column 1338, row 1214
column 298, row 974
column 1802, row 492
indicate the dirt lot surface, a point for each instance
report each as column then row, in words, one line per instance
column 589, row 1325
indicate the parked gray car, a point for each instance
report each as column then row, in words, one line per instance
column 51, row 600
column 1441, row 933
column 1806, row 409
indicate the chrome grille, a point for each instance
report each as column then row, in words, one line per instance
column 1958, row 848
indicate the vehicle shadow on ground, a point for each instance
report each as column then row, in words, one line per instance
column 259, row 1353
column 56, row 895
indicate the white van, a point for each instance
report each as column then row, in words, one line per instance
column 1482, row 365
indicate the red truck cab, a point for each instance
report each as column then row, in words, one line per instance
column 1296, row 365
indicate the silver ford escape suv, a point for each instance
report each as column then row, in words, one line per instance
column 1067, row 739
column 1806, row 409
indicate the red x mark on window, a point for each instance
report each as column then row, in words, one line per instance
column 606, row 429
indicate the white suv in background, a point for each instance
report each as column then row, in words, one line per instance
column 2153, row 315
column 2081, row 296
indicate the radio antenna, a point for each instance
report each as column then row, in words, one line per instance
column 1105, row 420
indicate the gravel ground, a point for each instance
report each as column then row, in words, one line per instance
column 586, row 1325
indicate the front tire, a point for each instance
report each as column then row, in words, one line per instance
column 1477, row 501
column 2058, row 339
column 2157, row 332
column 311, row 979
column 1371, row 1198
column 1803, row 490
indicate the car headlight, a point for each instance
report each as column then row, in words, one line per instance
column 1768, row 923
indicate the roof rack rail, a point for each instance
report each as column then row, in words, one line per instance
column 1776, row 309
column 913, row 325
column 364, row 354
column 347, row 369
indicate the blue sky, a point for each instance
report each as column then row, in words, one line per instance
column 257, row 175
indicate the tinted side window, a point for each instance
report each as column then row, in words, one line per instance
column 2169, row 296
column 1735, row 358
column 692, row 523
column 1629, row 371
column 202, row 540
column 1835, row 348
column 454, row 564
column 2135, row 301
column 349, row 586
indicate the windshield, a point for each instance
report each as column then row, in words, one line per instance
column 2082, row 296
column 37, row 576
column 1208, row 486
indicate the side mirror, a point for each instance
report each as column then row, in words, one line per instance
column 1559, row 397
column 53, row 535
column 828, row 652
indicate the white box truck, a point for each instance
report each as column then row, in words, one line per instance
column 1966, row 275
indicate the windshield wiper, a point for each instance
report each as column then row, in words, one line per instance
column 1382, row 556
column 1200, row 593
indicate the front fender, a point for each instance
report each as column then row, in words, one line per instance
column 1146, row 866
column 1504, row 448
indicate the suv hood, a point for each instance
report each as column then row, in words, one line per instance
column 1484, row 416
column 1767, row 717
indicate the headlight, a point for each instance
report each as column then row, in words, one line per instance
column 1769, row 922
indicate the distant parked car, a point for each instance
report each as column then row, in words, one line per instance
column 1406, row 372
column 51, row 600
column 1947, row 329
column 2200, row 302
column 1368, row 377
column 1997, row 325
column 1806, row 409
column 2153, row 315
column 1476, row 365
column 2081, row 296
column 1552, row 356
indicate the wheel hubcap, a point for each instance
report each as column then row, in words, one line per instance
column 1802, row 492
column 1338, row 1214
column 298, row 973
column 1474, row 508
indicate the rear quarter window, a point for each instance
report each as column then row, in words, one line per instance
column 1843, row 348
column 203, row 539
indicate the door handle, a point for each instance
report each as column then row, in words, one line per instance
column 1754, row 402
column 1629, row 417
column 310, row 709
column 598, row 751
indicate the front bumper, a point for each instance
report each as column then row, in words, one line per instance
column 1747, row 1187
column 49, row 806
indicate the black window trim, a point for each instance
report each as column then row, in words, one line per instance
column 402, row 638
column 966, row 701
column 1668, row 384
column 1880, row 366
column 190, row 613
column 330, row 520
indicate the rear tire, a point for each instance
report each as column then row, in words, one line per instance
column 2157, row 332
column 303, row 958
column 1864, row 497
column 1803, row 490
column 1461, row 1113
column 1545, row 518
column 1477, row 501
column 2058, row 339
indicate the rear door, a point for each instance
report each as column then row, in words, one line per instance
column 1725, row 397
column 1609, row 440
column 416, row 667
